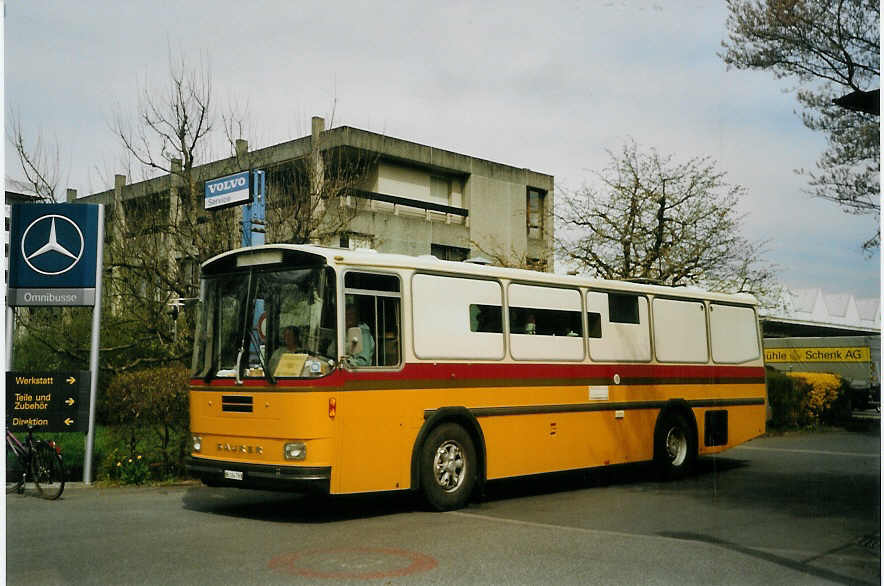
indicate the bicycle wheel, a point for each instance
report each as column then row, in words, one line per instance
column 47, row 470
column 14, row 471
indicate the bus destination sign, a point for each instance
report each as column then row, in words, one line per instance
column 47, row 401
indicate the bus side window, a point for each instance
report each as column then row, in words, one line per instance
column 623, row 308
column 372, row 329
column 595, row 324
column 486, row 318
column 623, row 318
column 389, row 348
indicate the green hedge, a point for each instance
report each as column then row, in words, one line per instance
column 147, row 415
column 142, row 432
column 798, row 401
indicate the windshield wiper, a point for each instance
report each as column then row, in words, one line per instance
column 262, row 356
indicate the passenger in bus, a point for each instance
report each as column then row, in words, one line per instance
column 360, row 343
column 530, row 325
column 292, row 345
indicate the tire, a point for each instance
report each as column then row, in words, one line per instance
column 675, row 446
column 449, row 467
column 14, row 471
column 47, row 470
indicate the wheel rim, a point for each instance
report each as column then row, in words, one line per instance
column 676, row 446
column 449, row 466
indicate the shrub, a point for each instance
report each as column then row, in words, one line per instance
column 802, row 399
column 133, row 470
column 784, row 399
column 148, row 412
column 820, row 391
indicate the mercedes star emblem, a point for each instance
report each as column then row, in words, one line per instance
column 61, row 250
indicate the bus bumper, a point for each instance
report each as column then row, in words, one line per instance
column 308, row 479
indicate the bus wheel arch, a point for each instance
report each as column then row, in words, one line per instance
column 458, row 431
column 675, row 440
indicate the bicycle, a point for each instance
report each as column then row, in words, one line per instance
column 37, row 460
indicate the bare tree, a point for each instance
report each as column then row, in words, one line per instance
column 317, row 197
column 39, row 162
column 160, row 237
column 832, row 47
column 511, row 257
column 658, row 221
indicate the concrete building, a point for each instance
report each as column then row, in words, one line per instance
column 407, row 198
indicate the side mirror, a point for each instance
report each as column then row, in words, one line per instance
column 344, row 362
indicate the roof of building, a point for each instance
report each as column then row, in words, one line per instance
column 815, row 307
column 386, row 147
column 16, row 197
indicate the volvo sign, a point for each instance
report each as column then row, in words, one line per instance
column 228, row 191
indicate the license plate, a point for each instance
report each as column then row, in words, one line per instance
column 233, row 474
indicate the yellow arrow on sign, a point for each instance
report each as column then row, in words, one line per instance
column 68, row 421
column 69, row 401
column 71, row 380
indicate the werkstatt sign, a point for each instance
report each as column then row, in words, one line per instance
column 228, row 191
column 53, row 251
column 844, row 354
column 47, row 401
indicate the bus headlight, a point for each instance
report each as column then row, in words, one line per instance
column 295, row 451
column 197, row 443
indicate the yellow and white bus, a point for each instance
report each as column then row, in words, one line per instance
column 352, row 371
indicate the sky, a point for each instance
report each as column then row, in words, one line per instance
column 551, row 86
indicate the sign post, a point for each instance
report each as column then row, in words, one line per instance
column 253, row 214
column 55, row 259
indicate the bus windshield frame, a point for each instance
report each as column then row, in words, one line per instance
column 267, row 323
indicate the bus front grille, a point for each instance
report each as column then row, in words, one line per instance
column 236, row 404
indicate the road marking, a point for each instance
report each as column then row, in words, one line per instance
column 815, row 452
column 559, row 527
column 798, row 553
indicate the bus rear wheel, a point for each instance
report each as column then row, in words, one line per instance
column 448, row 467
column 675, row 446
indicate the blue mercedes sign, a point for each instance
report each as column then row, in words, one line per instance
column 53, row 251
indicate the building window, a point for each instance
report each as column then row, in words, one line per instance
column 354, row 241
column 443, row 252
column 536, row 264
column 440, row 189
column 535, row 212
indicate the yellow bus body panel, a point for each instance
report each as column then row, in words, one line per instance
column 369, row 441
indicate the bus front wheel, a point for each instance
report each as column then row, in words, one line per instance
column 675, row 446
column 448, row 467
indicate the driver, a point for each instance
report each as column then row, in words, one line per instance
column 291, row 346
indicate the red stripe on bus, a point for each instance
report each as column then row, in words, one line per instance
column 511, row 374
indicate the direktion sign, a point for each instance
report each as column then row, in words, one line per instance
column 53, row 251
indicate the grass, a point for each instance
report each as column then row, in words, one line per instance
column 107, row 447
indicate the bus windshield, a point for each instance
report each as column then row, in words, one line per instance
column 266, row 324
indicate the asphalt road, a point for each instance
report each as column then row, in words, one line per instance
column 797, row 509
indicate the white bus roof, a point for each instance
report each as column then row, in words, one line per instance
column 367, row 258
